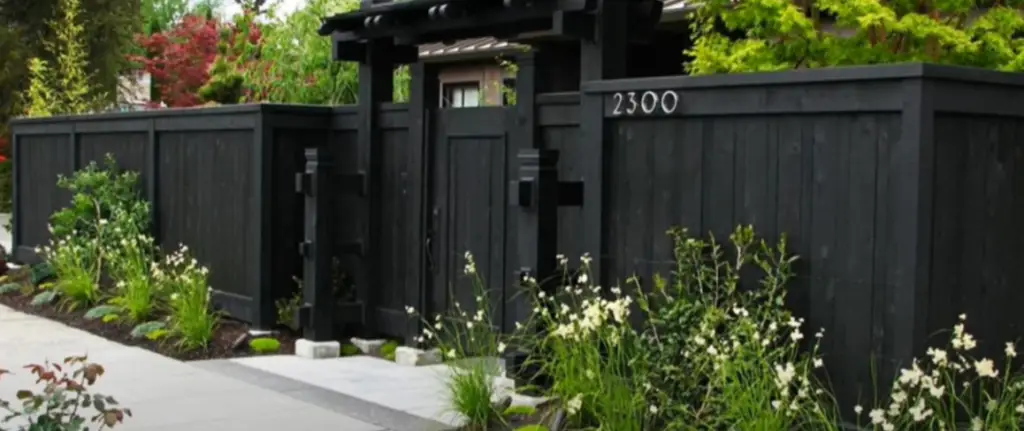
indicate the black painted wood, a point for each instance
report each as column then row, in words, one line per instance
column 468, row 207
column 423, row 102
column 375, row 89
column 199, row 169
column 318, row 295
column 900, row 201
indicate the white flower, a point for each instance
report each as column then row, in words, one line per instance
column 469, row 325
column 501, row 347
column 977, row 424
column 583, row 278
column 574, row 405
column 796, row 335
column 985, row 368
column 858, row 409
column 409, row 310
column 1011, row 351
column 939, row 357
column 818, row 363
column 877, row 416
column 653, row 409
column 451, row 353
column 784, row 374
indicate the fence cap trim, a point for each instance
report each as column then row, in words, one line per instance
column 249, row 108
column 810, row 76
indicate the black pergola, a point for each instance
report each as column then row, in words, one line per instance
column 572, row 41
column 409, row 23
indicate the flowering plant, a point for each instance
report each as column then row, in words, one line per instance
column 726, row 353
column 589, row 349
column 949, row 388
column 470, row 343
column 191, row 317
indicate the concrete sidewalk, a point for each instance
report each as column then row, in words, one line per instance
column 163, row 393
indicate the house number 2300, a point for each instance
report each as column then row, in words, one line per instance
column 647, row 103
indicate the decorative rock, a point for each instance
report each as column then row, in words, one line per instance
column 257, row 333
column 369, row 347
column 414, row 357
column 317, row 349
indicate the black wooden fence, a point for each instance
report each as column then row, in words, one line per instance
column 221, row 181
column 896, row 186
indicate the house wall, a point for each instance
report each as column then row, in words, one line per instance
column 490, row 76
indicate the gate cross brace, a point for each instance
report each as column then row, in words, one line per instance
column 523, row 194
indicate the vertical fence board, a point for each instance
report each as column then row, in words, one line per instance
column 41, row 158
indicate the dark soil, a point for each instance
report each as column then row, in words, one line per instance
column 228, row 340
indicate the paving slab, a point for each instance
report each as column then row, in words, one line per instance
column 163, row 393
column 416, row 390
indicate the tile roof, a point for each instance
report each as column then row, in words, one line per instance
column 490, row 45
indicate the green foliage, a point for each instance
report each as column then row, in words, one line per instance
column 782, row 35
column 143, row 329
column 387, row 351
column 67, row 87
column 9, row 288
column 264, row 346
column 296, row 65
column 227, row 73
column 702, row 305
column 519, row 411
column 191, row 317
column 467, row 339
column 43, row 298
column 135, row 292
column 98, row 194
column 471, row 390
column 287, row 308
column 40, row 95
column 40, row 273
column 160, row 15
column 101, row 311
column 64, row 403
column 532, row 428
column 350, row 350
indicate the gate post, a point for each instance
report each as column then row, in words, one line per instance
column 603, row 56
column 316, row 315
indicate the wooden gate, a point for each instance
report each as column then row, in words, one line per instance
column 467, row 208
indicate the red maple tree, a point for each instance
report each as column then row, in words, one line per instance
column 178, row 60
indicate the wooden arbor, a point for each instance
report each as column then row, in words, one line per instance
column 572, row 40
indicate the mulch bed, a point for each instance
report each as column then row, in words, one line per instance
column 228, row 341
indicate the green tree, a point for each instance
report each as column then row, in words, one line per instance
column 297, row 66
column 67, row 87
column 769, row 35
column 108, row 34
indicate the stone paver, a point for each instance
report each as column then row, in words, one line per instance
column 164, row 394
column 416, row 390
column 419, row 391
